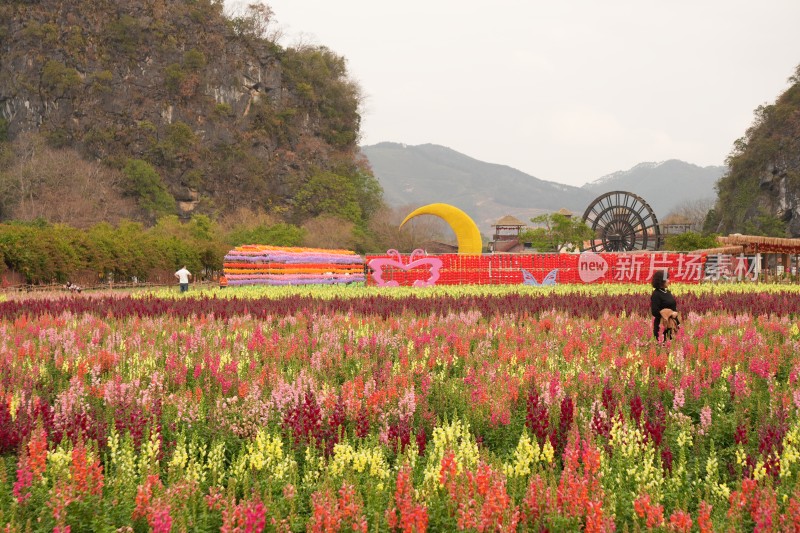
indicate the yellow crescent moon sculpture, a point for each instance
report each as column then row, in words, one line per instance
column 467, row 233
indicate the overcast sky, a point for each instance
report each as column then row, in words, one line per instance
column 567, row 91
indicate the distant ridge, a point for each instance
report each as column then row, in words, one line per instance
column 664, row 185
column 428, row 173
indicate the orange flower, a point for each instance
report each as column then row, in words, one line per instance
column 404, row 513
column 704, row 518
column 87, row 476
column 680, row 521
column 37, row 452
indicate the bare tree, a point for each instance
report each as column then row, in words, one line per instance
column 59, row 186
column 254, row 20
column 690, row 212
column 245, row 217
column 327, row 231
column 418, row 232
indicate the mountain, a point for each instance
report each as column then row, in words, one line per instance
column 664, row 186
column 193, row 111
column 428, row 173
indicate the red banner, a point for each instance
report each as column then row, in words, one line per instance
column 532, row 269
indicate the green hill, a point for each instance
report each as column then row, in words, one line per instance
column 176, row 109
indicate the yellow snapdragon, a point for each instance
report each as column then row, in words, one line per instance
column 791, row 449
column 548, row 453
column 370, row 460
column 58, row 461
column 454, row 436
column 14, row 405
column 684, row 438
column 525, row 455
column 215, row 463
column 713, row 486
column 148, row 458
column 188, row 460
column 760, row 471
column 266, row 453
column 314, row 464
column 123, row 458
column 633, row 460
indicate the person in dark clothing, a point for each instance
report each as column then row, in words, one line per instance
column 663, row 306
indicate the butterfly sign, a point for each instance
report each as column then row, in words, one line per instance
column 416, row 259
column 549, row 279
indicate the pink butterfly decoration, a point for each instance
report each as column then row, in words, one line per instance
column 396, row 261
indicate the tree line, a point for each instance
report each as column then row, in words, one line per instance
column 43, row 252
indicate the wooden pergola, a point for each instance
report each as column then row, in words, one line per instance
column 785, row 251
column 757, row 244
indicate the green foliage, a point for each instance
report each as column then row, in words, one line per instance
column 223, row 110
column 320, row 78
column 123, row 251
column 60, row 79
column 276, row 235
column 55, row 253
column 556, row 231
column 101, row 81
column 187, row 244
column 75, row 39
column 46, row 33
column 177, row 146
column 279, row 125
column 193, row 178
column 173, row 77
column 194, row 60
column 96, row 139
column 3, row 130
column 689, row 241
column 369, row 192
column 147, row 127
column 329, row 194
column 124, row 34
column 39, row 251
column 57, row 137
column 176, row 74
column 712, row 221
column 181, row 136
column 765, row 224
column 147, row 186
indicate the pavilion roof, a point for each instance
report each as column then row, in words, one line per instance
column 726, row 250
column 509, row 220
column 761, row 244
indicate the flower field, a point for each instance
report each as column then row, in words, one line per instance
column 367, row 409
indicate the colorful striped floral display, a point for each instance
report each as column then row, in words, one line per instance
column 255, row 264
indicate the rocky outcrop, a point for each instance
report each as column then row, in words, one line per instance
column 760, row 194
column 175, row 83
column 779, row 181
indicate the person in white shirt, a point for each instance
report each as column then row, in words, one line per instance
column 183, row 276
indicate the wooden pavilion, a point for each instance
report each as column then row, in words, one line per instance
column 775, row 253
column 506, row 235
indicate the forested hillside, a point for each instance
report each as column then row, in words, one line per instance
column 760, row 194
column 131, row 109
